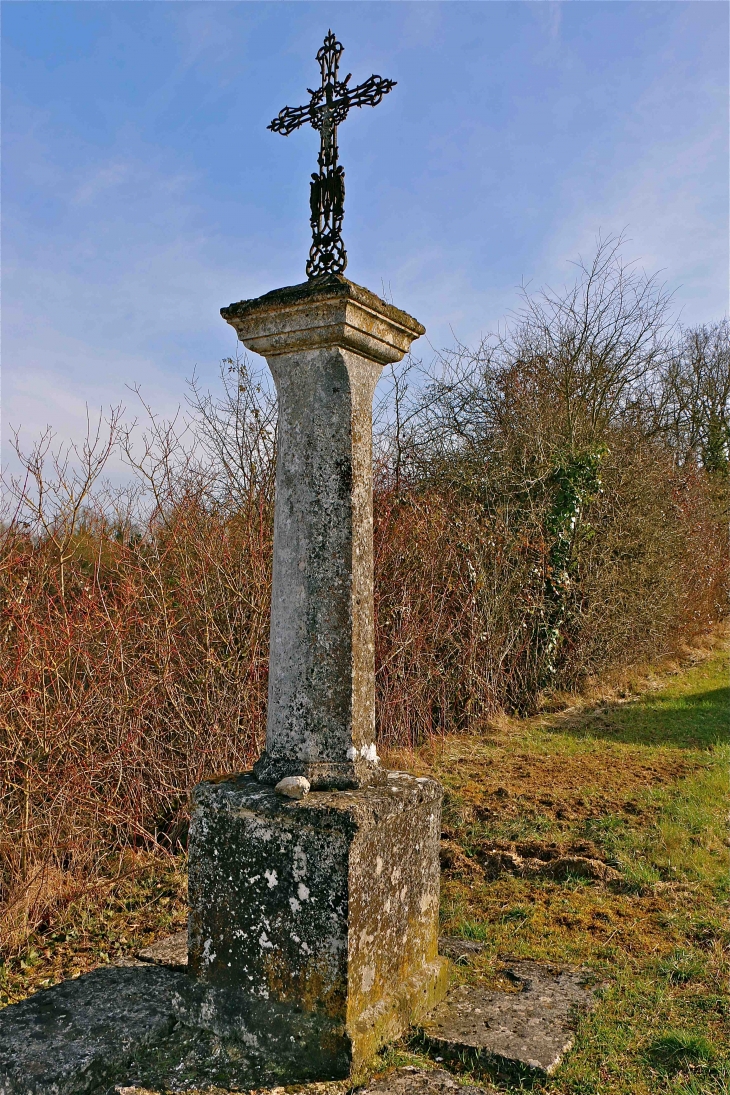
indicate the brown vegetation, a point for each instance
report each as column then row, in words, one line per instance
column 543, row 511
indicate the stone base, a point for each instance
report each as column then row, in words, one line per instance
column 313, row 922
column 119, row 1029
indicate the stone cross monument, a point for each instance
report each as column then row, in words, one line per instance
column 314, row 913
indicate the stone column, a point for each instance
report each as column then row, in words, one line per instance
column 313, row 927
column 326, row 342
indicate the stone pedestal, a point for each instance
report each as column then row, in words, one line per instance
column 313, row 922
column 313, row 928
column 326, row 342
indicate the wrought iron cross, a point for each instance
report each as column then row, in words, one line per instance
column 328, row 107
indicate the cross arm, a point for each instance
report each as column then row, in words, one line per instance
column 370, row 92
column 289, row 119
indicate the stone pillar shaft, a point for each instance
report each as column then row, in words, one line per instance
column 326, row 343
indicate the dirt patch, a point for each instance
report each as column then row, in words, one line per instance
column 565, row 788
column 455, row 860
column 532, row 859
column 496, row 861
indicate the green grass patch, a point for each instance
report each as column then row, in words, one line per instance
column 690, row 711
column 676, row 1050
column 681, row 966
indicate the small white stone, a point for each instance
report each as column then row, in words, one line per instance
column 293, row 787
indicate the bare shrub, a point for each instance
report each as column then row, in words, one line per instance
column 573, row 520
column 133, row 663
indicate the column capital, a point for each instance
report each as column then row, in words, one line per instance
column 327, row 312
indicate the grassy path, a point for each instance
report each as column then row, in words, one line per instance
column 638, row 784
column 634, row 784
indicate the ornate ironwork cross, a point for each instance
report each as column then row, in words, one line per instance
column 328, row 107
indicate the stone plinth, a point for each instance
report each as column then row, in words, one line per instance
column 313, row 929
column 326, row 343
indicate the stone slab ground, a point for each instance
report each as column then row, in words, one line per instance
column 78, row 1036
column 533, row 1026
column 122, row 1025
column 401, row 1081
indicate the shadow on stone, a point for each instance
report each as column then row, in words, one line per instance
column 78, row 1036
column 121, row 1025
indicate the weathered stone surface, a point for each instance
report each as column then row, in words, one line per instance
column 76, row 1036
column 172, row 952
column 120, row 1025
column 327, row 311
column 313, row 923
column 401, row 1081
column 531, row 1027
column 421, row 1081
column 326, row 342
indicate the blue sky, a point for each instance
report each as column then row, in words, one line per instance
column 142, row 190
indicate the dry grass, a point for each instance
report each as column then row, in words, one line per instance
column 101, row 924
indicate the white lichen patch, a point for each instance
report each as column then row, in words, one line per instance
column 368, row 978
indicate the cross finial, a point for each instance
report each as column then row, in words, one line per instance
column 328, row 106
